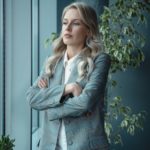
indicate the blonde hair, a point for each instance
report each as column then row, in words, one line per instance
column 92, row 44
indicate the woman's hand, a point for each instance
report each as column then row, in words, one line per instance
column 42, row 83
column 73, row 88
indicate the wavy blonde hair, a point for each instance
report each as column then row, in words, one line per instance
column 92, row 47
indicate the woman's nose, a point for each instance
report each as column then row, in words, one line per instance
column 68, row 26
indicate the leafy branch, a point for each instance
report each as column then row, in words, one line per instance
column 121, row 37
column 127, row 121
column 124, row 42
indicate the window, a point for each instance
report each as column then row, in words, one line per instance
column 43, row 24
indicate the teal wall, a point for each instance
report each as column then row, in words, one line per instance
column 133, row 87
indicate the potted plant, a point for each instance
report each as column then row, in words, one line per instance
column 6, row 143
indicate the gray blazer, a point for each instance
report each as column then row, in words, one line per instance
column 83, row 115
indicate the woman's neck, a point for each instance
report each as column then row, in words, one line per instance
column 72, row 51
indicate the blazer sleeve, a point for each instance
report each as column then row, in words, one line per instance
column 44, row 98
column 91, row 94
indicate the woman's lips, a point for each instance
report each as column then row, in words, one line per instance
column 67, row 35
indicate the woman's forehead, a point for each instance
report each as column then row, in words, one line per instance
column 72, row 13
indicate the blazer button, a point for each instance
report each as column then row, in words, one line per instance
column 70, row 142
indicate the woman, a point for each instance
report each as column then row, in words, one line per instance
column 71, row 87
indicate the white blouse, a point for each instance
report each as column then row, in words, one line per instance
column 62, row 141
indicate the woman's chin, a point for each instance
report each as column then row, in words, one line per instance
column 67, row 42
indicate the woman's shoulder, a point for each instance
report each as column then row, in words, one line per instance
column 103, row 56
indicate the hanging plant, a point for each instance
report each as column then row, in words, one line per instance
column 123, row 42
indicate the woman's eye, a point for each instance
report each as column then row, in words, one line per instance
column 72, row 24
column 64, row 23
column 76, row 23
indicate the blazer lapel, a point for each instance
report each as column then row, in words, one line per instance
column 59, row 72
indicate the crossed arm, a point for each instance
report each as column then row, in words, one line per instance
column 49, row 98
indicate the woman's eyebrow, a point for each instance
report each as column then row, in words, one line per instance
column 65, row 19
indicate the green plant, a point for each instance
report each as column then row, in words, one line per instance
column 124, row 43
column 121, row 37
column 6, row 143
column 125, row 119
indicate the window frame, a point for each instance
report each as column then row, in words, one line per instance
column 34, row 56
column 2, row 68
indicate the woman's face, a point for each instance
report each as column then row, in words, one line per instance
column 74, row 31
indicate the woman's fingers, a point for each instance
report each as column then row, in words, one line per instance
column 77, row 89
column 73, row 88
column 42, row 83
